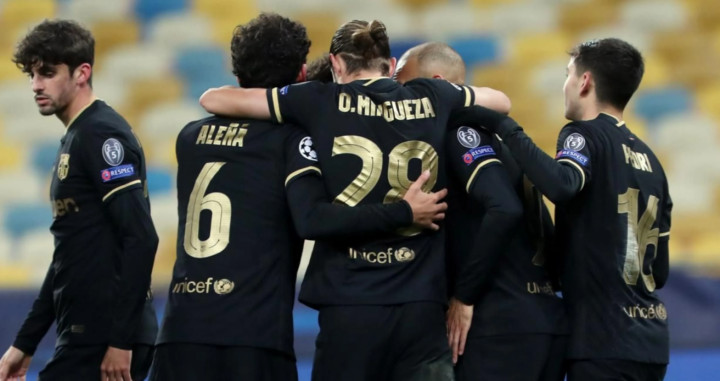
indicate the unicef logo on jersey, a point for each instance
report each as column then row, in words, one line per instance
column 113, row 152
column 224, row 286
column 306, row 149
column 404, row 254
column 574, row 142
column 468, row 137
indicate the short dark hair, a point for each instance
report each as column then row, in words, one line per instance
column 269, row 51
column 55, row 42
column 363, row 45
column 616, row 66
column 320, row 69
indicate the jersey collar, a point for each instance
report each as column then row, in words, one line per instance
column 378, row 83
column 607, row 117
column 81, row 112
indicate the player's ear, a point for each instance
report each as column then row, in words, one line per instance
column 438, row 76
column 338, row 65
column 82, row 73
column 586, row 83
column 302, row 75
column 393, row 65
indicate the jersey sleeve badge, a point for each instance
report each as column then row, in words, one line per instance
column 468, row 137
column 113, row 152
column 306, row 149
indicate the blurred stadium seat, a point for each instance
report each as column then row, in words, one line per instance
column 201, row 67
column 652, row 104
column 171, row 30
column 160, row 180
column 24, row 218
column 146, row 10
column 478, row 50
column 93, row 11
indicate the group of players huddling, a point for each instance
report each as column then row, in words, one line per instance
column 354, row 151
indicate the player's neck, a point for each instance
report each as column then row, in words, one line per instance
column 593, row 110
column 80, row 102
column 363, row 74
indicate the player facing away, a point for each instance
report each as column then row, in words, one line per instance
column 381, row 302
column 497, row 267
column 96, row 289
column 241, row 185
column 612, row 217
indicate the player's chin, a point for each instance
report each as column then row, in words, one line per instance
column 47, row 110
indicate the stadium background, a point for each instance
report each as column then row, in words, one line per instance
column 155, row 57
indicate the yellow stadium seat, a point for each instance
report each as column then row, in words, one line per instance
column 657, row 72
column 486, row 3
column 15, row 276
column 320, row 28
column 706, row 14
column 19, row 13
column 708, row 99
column 706, row 250
column 415, row 4
column 680, row 46
column 146, row 93
column 534, row 48
column 113, row 33
column 8, row 70
column 10, row 156
column 226, row 15
column 574, row 18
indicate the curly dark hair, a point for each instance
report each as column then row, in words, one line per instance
column 55, row 42
column 616, row 65
column 320, row 69
column 269, row 51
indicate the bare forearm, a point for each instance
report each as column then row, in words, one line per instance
column 236, row 102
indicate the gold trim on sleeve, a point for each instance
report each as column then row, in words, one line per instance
column 577, row 166
column 121, row 187
column 468, row 97
column 666, row 234
column 301, row 170
column 276, row 105
column 472, row 177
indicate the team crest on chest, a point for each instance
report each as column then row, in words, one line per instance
column 63, row 166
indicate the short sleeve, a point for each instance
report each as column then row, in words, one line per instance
column 298, row 102
column 574, row 149
column 456, row 96
column 468, row 152
column 301, row 158
column 112, row 159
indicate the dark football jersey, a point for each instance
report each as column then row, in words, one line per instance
column 99, row 157
column 609, row 234
column 373, row 138
column 518, row 297
column 237, row 250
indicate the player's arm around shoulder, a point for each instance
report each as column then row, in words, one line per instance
column 492, row 99
column 236, row 102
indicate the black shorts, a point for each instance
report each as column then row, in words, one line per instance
column 612, row 369
column 194, row 362
column 83, row 363
column 405, row 342
column 518, row 357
